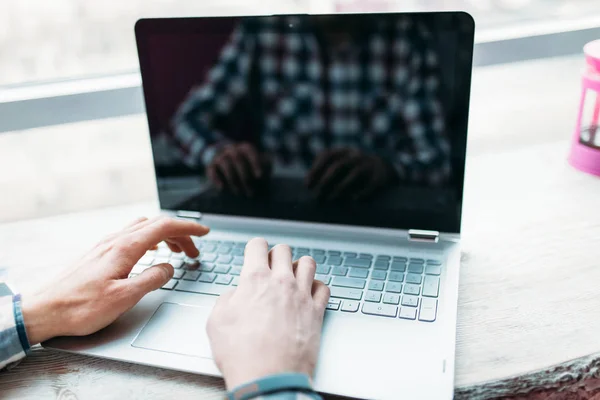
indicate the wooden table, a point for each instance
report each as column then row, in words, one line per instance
column 529, row 298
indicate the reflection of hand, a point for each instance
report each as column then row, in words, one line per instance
column 271, row 323
column 96, row 291
column 237, row 167
column 336, row 173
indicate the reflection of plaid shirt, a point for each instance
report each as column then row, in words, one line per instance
column 380, row 94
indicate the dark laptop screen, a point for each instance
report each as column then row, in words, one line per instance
column 345, row 119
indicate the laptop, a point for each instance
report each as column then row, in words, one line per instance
column 343, row 136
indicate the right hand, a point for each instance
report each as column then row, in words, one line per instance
column 237, row 167
column 271, row 323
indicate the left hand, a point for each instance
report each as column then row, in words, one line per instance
column 347, row 172
column 96, row 291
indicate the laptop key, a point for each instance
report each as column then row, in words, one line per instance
column 170, row 285
column 224, row 259
column 177, row 264
column 366, row 256
column 334, row 260
column 358, row 273
column 416, row 260
column 209, row 257
column 191, row 275
column 177, row 256
column 207, row 267
column 379, row 275
column 237, row 252
column 431, row 286
column 433, row 270
column 236, row 280
column 334, row 253
column 428, row 310
column 207, row 277
column 383, row 258
column 393, row 287
column 390, row 298
column 374, row 297
column 160, row 260
column 349, row 254
column 412, row 289
column 339, row 271
column 224, row 249
column 323, row 269
column 319, row 258
column 236, row 271
column 415, row 268
column 411, row 301
column 408, row 313
column 357, row 262
column 209, row 248
column 222, row 269
column 191, row 265
column 349, row 282
column 333, row 304
column 398, row 266
column 381, row 264
column 163, row 252
column 318, row 251
column 350, row 306
column 396, row 277
column 383, row 310
column 323, row 278
column 344, row 293
column 376, row 285
column 400, row 259
column 434, row 262
column 224, row 280
column 178, row 274
column 238, row 260
column 146, row 260
column 413, row 278
column 201, row 287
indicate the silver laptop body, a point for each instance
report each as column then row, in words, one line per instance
column 389, row 331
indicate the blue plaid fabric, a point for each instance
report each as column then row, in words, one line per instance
column 378, row 90
column 13, row 339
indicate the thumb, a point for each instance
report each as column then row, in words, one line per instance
column 151, row 279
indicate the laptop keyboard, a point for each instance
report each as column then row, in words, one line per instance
column 382, row 285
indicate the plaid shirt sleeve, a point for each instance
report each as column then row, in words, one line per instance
column 192, row 127
column 424, row 153
column 13, row 339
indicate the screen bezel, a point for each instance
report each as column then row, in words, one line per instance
column 448, row 223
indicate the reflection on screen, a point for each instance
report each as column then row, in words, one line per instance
column 341, row 119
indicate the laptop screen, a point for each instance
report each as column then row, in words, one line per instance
column 346, row 119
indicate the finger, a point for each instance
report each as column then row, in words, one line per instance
column 305, row 272
column 243, row 175
column 162, row 229
column 256, row 258
column 280, row 259
column 173, row 246
column 251, row 156
column 331, row 174
column 135, row 223
column 226, row 170
column 354, row 176
column 320, row 294
column 151, row 279
column 320, row 163
column 185, row 244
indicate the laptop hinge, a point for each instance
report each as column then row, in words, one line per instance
column 416, row 235
column 189, row 214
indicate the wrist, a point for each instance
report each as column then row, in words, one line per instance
column 40, row 318
column 236, row 379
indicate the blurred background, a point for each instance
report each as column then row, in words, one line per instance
column 54, row 49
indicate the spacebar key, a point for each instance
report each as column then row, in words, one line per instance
column 201, row 287
column 343, row 293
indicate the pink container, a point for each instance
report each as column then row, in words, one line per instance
column 585, row 149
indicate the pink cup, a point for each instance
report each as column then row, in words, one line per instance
column 585, row 148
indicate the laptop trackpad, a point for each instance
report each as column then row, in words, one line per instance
column 176, row 328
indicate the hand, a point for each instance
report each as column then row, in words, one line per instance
column 238, row 168
column 95, row 291
column 347, row 172
column 271, row 323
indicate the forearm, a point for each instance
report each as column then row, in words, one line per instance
column 13, row 338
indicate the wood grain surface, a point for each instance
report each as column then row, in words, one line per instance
column 529, row 298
